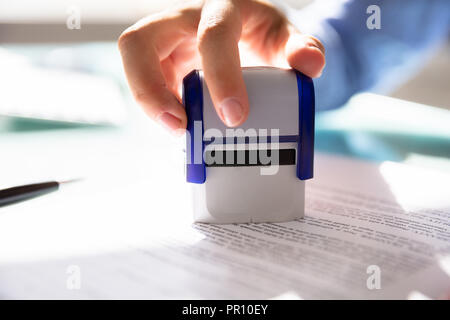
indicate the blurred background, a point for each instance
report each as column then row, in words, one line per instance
column 57, row 76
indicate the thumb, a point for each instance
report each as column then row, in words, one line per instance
column 305, row 53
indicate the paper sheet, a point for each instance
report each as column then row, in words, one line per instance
column 371, row 231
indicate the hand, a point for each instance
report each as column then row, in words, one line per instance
column 158, row 51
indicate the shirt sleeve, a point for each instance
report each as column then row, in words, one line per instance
column 359, row 58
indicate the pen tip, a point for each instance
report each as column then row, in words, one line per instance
column 70, row 180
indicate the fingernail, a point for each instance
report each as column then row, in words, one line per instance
column 232, row 111
column 170, row 122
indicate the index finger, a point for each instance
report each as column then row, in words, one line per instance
column 218, row 36
column 142, row 64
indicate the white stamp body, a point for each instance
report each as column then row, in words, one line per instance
column 256, row 172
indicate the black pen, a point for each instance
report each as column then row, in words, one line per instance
column 29, row 191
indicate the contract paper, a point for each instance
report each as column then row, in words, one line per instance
column 371, row 230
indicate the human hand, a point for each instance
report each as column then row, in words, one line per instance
column 159, row 50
